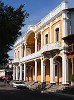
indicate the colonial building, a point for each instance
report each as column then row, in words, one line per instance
column 69, row 50
column 40, row 55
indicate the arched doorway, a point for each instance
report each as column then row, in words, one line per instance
column 58, row 69
column 47, row 71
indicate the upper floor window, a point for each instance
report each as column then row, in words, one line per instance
column 56, row 34
column 46, row 39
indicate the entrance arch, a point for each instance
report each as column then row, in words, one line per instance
column 58, row 69
column 47, row 71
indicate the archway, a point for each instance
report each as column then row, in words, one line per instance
column 58, row 69
column 47, row 71
column 30, row 41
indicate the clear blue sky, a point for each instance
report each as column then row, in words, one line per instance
column 36, row 8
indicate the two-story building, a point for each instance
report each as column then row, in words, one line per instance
column 40, row 55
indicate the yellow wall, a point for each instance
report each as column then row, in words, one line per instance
column 54, row 24
column 38, row 25
column 39, row 72
column 47, row 71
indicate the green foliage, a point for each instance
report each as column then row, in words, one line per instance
column 11, row 21
column 72, row 78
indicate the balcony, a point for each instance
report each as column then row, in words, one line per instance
column 51, row 46
column 45, row 48
column 31, row 56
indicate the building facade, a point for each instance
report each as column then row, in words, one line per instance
column 40, row 55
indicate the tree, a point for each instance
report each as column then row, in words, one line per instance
column 11, row 21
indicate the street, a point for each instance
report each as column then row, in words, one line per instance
column 7, row 92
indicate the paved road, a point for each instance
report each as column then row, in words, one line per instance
column 7, row 92
column 6, row 86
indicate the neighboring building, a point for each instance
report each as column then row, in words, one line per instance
column 40, row 55
column 69, row 50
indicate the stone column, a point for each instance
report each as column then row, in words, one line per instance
column 20, row 71
column 42, row 70
column 14, row 72
column 25, row 49
column 52, row 71
column 65, row 69
column 36, row 43
column 24, row 71
column 35, row 70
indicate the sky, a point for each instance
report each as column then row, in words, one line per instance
column 37, row 10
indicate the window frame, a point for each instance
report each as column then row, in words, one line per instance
column 57, row 27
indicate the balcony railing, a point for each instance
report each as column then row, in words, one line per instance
column 47, row 47
column 51, row 46
column 31, row 56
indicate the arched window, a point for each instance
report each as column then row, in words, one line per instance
column 56, row 34
column 46, row 39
